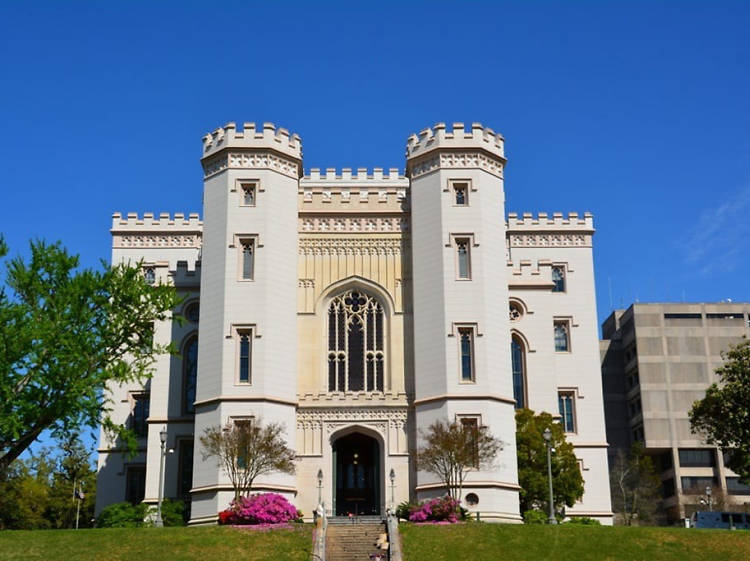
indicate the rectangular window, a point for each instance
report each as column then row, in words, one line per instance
column 638, row 434
column 245, row 423
column 558, row 277
column 562, row 336
column 667, row 488
column 471, row 426
column 248, row 259
column 697, row 457
column 140, row 414
column 249, row 191
column 697, row 485
column 135, row 484
column 682, row 316
column 466, row 344
column 460, row 193
column 566, row 405
column 185, row 482
column 463, row 258
column 726, row 316
column 734, row 487
column 245, row 353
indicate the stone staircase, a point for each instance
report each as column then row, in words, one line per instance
column 346, row 541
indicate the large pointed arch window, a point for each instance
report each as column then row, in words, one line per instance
column 518, row 361
column 355, row 343
column 189, row 374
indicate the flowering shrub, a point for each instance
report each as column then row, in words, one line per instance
column 262, row 508
column 439, row 509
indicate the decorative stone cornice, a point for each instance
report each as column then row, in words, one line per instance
column 354, row 246
column 457, row 160
column 551, row 239
column 251, row 160
column 353, row 224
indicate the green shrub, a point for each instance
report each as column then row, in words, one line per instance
column 584, row 520
column 404, row 509
column 534, row 517
column 123, row 515
column 172, row 512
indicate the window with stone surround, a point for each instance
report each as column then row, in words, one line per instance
column 247, row 262
column 558, row 278
column 189, row 374
column 356, row 333
column 566, row 403
column 518, row 362
column 470, row 423
column 135, row 483
column 466, row 353
column 139, row 416
column 244, row 335
column 460, row 191
column 463, row 258
column 562, row 336
column 248, row 193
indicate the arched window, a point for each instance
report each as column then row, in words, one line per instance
column 189, row 374
column 355, row 343
column 518, row 360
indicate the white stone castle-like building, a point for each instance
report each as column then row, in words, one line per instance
column 357, row 308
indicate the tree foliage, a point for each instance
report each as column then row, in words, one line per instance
column 246, row 450
column 65, row 334
column 450, row 450
column 635, row 486
column 38, row 492
column 567, row 481
column 723, row 415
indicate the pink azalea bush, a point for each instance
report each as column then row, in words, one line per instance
column 440, row 509
column 261, row 508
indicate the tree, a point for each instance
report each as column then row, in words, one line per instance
column 73, row 472
column 450, row 450
column 723, row 415
column 246, row 450
column 65, row 334
column 531, row 447
column 635, row 485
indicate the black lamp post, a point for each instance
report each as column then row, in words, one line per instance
column 163, row 439
column 392, row 477
column 548, row 440
column 320, row 485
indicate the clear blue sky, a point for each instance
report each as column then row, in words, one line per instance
column 636, row 112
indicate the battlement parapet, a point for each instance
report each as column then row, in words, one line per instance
column 150, row 222
column 545, row 222
column 478, row 136
column 268, row 137
column 359, row 176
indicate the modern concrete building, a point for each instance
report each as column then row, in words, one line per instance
column 657, row 359
column 356, row 308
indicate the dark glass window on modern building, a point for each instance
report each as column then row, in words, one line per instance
column 697, row 457
column 735, row 487
column 140, row 414
column 697, row 485
column 135, row 483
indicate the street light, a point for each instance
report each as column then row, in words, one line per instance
column 320, row 485
column 392, row 477
column 163, row 438
column 548, row 439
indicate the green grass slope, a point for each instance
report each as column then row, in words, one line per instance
column 568, row 542
column 157, row 544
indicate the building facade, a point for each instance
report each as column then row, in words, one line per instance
column 657, row 360
column 357, row 308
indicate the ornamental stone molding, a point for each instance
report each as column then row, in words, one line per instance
column 458, row 160
column 351, row 246
column 550, row 240
column 251, row 160
column 354, row 224
column 191, row 241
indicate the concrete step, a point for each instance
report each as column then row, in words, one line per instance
column 354, row 542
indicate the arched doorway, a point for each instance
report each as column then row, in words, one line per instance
column 356, row 468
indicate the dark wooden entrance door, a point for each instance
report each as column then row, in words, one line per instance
column 356, row 462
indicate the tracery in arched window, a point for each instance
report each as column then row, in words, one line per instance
column 189, row 374
column 355, row 343
column 518, row 360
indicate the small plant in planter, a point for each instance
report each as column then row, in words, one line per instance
column 261, row 508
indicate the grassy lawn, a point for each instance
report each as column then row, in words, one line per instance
column 157, row 544
column 485, row 542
